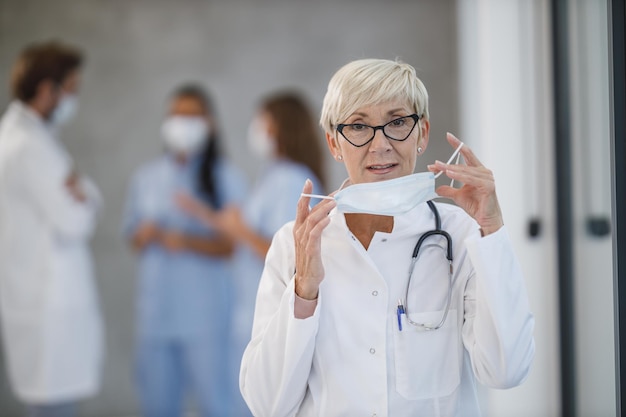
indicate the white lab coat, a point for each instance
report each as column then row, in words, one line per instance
column 351, row 359
column 51, row 325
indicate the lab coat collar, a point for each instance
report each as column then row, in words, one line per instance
column 22, row 109
column 24, row 115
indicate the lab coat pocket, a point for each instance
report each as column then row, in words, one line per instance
column 427, row 361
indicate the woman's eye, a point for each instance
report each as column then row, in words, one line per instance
column 398, row 122
column 358, row 127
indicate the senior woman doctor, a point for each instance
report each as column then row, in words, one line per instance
column 341, row 328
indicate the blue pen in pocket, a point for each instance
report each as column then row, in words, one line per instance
column 400, row 312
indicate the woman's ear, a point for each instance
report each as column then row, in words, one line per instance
column 333, row 146
column 424, row 126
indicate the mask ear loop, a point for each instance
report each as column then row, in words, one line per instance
column 458, row 158
column 345, row 183
column 456, row 155
column 323, row 197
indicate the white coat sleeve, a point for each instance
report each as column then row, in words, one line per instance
column 498, row 327
column 43, row 179
column 276, row 364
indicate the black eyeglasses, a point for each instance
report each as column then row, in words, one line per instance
column 359, row 134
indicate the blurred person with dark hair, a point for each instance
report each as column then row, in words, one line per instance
column 51, row 322
column 184, row 295
column 285, row 135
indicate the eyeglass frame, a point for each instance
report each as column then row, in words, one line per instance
column 413, row 116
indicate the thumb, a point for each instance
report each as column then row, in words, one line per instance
column 446, row 191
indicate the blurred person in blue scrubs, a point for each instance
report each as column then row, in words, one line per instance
column 285, row 135
column 51, row 324
column 184, row 295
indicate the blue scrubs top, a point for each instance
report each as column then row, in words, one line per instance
column 180, row 294
column 272, row 203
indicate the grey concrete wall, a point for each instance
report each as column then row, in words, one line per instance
column 138, row 50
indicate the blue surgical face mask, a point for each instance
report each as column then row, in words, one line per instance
column 391, row 197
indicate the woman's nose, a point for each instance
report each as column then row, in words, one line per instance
column 380, row 143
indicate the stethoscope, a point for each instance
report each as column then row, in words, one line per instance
column 403, row 308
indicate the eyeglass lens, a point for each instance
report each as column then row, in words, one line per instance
column 398, row 129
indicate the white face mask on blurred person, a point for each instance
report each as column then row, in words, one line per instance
column 185, row 134
column 259, row 140
column 65, row 110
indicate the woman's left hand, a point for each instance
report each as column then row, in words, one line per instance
column 172, row 240
column 477, row 196
column 196, row 208
column 231, row 223
column 228, row 221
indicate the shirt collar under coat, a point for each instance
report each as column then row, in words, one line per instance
column 416, row 221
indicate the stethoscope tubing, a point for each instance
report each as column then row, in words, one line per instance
column 449, row 256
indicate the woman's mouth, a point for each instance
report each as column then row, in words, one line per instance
column 381, row 168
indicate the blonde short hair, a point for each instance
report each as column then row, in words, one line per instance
column 368, row 82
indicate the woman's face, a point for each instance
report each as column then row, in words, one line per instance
column 382, row 158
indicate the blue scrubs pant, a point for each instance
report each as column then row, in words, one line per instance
column 67, row 409
column 168, row 369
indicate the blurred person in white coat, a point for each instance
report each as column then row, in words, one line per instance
column 51, row 324
column 378, row 301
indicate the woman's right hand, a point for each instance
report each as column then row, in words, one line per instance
column 196, row 208
column 75, row 188
column 307, row 233
column 228, row 220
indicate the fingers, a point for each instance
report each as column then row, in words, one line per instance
column 468, row 154
column 320, row 212
column 433, row 168
column 453, row 140
column 172, row 240
column 186, row 202
column 302, row 209
column 308, row 229
column 307, row 232
column 446, row 191
column 461, row 172
column 310, row 223
column 196, row 208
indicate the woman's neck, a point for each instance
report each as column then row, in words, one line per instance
column 363, row 226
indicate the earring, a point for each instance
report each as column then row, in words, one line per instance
column 419, row 149
column 339, row 158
